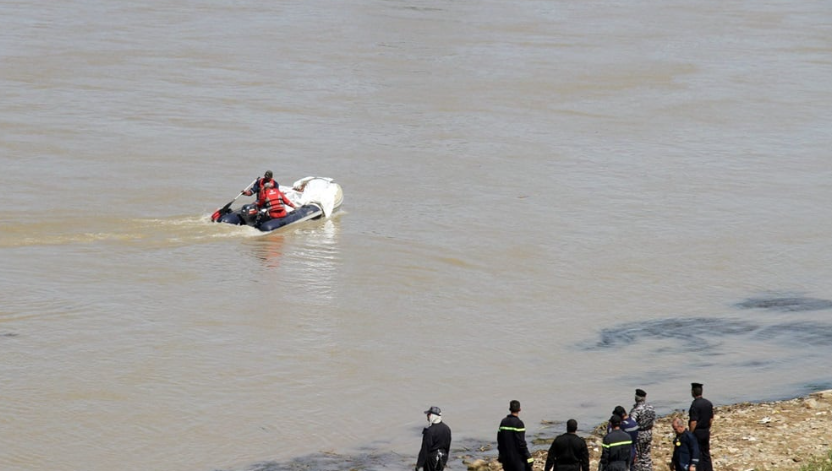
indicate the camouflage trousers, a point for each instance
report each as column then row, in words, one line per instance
column 643, row 445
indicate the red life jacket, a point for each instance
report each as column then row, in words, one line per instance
column 272, row 200
column 261, row 182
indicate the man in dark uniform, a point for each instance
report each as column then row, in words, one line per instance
column 615, row 453
column 511, row 442
column 436, row 442
column 701, row 418
column 685, row 449
column 629, row 425
column 569, row 451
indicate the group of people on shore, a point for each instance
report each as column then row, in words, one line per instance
column 626, row 446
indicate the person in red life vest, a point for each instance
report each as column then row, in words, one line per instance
column 257, row 187
column 273, row 200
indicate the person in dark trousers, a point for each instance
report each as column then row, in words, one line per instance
column 569, row 451
column 685, row 448
column 436, row 442
column 513, row 452
column 701, row 418
column 630, row 426
column 644, row 414
column 615, row 453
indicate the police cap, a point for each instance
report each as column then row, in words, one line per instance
column 434, row 410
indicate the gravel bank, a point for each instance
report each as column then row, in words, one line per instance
column 764, row 436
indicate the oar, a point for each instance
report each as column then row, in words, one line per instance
column 227, row 208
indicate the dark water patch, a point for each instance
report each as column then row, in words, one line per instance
column 332, row 462
column 8, row 334
column 786, row 304
column 702, row 362
column 691, row 334
column 755, row 364
column 690, row 348
column 802, row 333
column 372, row 459
column 816, row 386
column 420, row 8
column 704, row 336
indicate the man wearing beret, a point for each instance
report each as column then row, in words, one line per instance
column 701, row 417
column 644, row 415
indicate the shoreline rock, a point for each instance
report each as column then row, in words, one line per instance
column 762, row 436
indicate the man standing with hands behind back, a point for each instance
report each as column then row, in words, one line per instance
column 701, row 417
column 436, row 442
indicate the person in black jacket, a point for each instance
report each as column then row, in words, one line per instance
column 615, row 455
column 569, row 451
column 701, row 418
column 511, row 442
column 436, row 442
column 685, row 448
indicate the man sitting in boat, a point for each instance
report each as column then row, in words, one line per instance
column 257, row 187
column 273, row 201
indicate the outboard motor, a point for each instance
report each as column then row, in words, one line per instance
column 249, row 213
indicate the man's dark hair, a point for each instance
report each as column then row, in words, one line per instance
column 571, row 425
column 514, row 406
column 696, row 390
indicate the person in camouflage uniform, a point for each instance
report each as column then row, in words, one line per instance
column 644, row 415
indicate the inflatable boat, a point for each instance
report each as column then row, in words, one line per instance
column 315, row 198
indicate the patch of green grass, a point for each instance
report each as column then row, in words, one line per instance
column 819, row 464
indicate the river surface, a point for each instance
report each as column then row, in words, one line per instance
column 550, row 201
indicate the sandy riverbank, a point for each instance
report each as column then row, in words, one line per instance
column 764, row 436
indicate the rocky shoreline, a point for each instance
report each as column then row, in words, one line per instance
column 765, row 436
